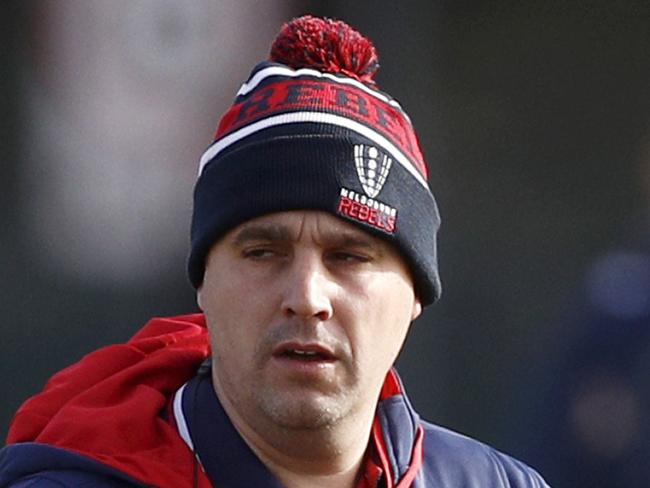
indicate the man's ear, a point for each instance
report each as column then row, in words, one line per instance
column 199, row 294
column 417, row 309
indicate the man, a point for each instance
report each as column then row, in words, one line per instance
column 313, row 249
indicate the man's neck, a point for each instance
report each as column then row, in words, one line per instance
column 329, row 457
column 301, row 475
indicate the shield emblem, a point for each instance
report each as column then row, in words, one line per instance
column 372, row 168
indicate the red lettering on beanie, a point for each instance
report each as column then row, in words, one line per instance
column 330, row 97
column 363, row 212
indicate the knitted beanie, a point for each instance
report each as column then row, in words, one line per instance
column 310, row 130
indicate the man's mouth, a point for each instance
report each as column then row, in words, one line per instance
column 307, row 352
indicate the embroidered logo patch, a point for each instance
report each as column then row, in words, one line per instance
column 364, row 209
column 372, row 168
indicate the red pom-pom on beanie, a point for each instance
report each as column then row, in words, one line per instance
column 327, row 45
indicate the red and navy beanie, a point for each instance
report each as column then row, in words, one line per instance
column 310, row 130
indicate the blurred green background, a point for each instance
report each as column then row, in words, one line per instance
column 533, row 117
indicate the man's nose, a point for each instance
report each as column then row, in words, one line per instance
column 308, row 289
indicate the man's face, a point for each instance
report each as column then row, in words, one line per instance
column 306, row 314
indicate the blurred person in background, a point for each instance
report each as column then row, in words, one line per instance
column 313, row 250
column 596, row 409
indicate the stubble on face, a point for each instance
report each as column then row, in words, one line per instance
column 295, row 403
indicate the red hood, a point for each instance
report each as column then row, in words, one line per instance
column 92, row 406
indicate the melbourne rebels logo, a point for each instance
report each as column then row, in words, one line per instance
column 372, row 169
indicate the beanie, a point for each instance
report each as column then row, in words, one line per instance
column 309, row 130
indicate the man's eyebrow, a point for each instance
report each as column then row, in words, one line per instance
column 346, row 239
column 262, row 233
column 280, row 233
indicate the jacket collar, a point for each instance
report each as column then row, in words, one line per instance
column 228, row 461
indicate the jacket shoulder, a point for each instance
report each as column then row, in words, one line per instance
column 28, row 465
column 452, row 459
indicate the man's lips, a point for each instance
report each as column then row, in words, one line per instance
column 301, row 351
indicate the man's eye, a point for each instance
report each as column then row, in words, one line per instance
column 348, row 257
column 259, row 253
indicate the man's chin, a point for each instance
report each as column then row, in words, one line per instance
column 304, row 413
